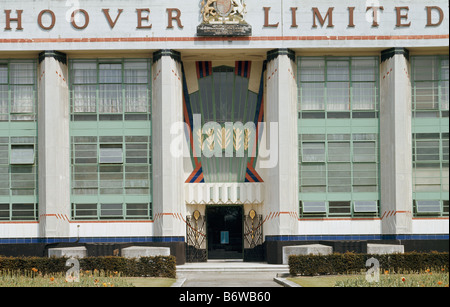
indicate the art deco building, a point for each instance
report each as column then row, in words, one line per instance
column 223, row 128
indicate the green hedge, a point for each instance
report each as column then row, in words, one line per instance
column 351, row 263
column 158, row 266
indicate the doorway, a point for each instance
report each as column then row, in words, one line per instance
column 224, row 232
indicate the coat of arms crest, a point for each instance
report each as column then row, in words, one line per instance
column 223, row 17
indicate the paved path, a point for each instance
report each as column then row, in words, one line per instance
column 230, row 274
column 229, row 279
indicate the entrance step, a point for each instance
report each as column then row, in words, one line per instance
column 232, row 266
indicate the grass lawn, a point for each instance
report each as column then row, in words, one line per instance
column 425, row 279
column 319, row 281
column 86, row 279
column 150, row 281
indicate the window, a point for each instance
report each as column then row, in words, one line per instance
column 339, row 151
column 430, row 86
column 18, row 212
column 342, row 163
column 17, row 90
column 430, row 173
column 430, row 103
column 111, row 154
column 5, row 212
column 313, row 208
column 111, row 167
column 340, row 168
column 364, row 151
column 338, row 209
column 110, row 88
column 137, row 211
column 427, row 206
column 22, row 154
column 430, row 162
column 84, row 211
column 18, row 168
column 337, row 86
column 365, row 206
column 111, row 211
column 313, row 152
column 119, row 169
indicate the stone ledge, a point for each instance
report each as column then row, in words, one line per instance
column 145, row 251
column 228, row 30
column 311, row 249
column 382, row 249
column 75, row 252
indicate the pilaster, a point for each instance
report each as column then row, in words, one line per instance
column 281, row 177
column 167, row 108
column 395, row 142
column 54, row 145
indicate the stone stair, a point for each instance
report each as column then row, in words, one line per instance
column 232, row 266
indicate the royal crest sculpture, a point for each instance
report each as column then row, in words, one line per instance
column 223, row 18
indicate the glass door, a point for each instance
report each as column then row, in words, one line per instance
column 224, row 232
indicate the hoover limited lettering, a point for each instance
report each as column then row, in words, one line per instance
column 80, row 19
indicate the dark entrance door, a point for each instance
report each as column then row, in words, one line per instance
column 224, row 232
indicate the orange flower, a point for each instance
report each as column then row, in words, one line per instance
column 403, row 279
column 34, row 270
column 52, row 278
column 386, row 272
column 427, row 270
column 439, row 282
column 105, row 285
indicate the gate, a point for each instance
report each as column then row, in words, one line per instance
column 196, row 238
column 253, row 237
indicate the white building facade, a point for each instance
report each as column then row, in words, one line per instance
column 223, row 128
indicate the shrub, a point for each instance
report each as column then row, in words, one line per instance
column 350, row 263
column 158, row 266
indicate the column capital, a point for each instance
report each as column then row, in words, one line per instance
column 175, row 55
column 389, row 53
column 273, row 54
column 57, row 55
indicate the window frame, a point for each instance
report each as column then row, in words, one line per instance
column 350, row 111
column 438, row 84
column 99, row 211
column 11, row 156
column 8, row 95
column 95, row 113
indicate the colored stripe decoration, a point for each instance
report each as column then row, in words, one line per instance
column 204, row 69
column 251, row 175
column 197, row 175
column 243, row 68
